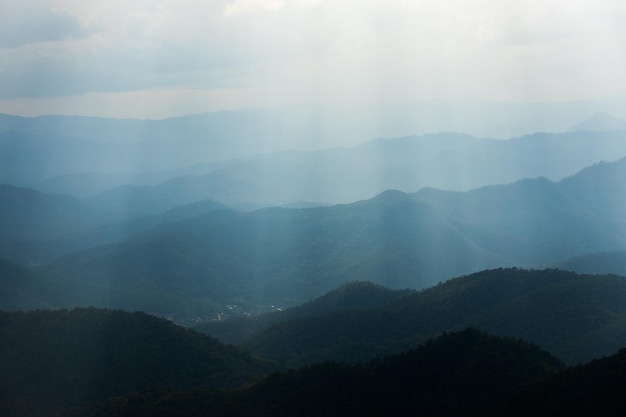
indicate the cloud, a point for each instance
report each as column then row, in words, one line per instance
column 26, row 22
column 293, row 51
column 251, row 6
column 254, row 6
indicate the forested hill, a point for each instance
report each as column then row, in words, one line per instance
column 23, row 289
column 466, row 373
column 357, row 295
column 596, row 388
column 57, row 359
column 284, row 257
column 575, row 317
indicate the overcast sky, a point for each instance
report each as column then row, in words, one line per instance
column 150, row 58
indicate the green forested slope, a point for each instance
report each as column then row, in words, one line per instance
column 575, row 317
column 596, row 388
column 466, row 373
column 56, row 359
column 284, row 257
column 358, row 295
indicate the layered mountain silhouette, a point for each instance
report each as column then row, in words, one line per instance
column 61, row 145
column 437, row 274
column 36, row 227
column 283, row 257
column 575, row 317
column 446, row 161
column 596, row 263
column 357, row 295
column 601, row 122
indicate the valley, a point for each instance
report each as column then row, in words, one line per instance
column 233, row 282
column 312, row 208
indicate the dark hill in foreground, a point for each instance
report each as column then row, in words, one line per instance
column 466, row 373
column 57, row 359
column 575, row 317
column 596, row 388
column 460, row 374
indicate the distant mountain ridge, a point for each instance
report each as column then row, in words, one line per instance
column 37, row 227
column 601, row 122
column 446, row 161
column 84, row 163
column 283, row 257
column 596, row 263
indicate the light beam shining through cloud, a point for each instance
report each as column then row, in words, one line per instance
column 223, row 54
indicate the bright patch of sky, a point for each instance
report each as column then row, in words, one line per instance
column 149, row 58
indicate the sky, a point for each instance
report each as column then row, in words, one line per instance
column 161, row 58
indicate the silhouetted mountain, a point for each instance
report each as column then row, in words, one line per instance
column 531, row 219
column 596, row 263
column 575, row 317
column 359, row 295
column 57, row 359
column 592, row 389
column 236, row 133
column 446, row 161
column 147, row 153
column 135, row 201
column 27, row 158
column 88, row 184
column 280, row 256
column 462, row 373
column 34, row 225
column 27, row 214
column 465, row 373
column 284, row 257
column 599, row 189
column 601, row 122
column 132, row 145
column 456, row 374
column 191, row 210
column 22, row 289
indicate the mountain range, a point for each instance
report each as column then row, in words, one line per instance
column 467, row 373
column 601, row 122
column 84, row 156
column 575, row 317
column 447, row 161
column 432, row 273
column 461, row 373
column 283, row 257
column 133, row 145
column 196, row 259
